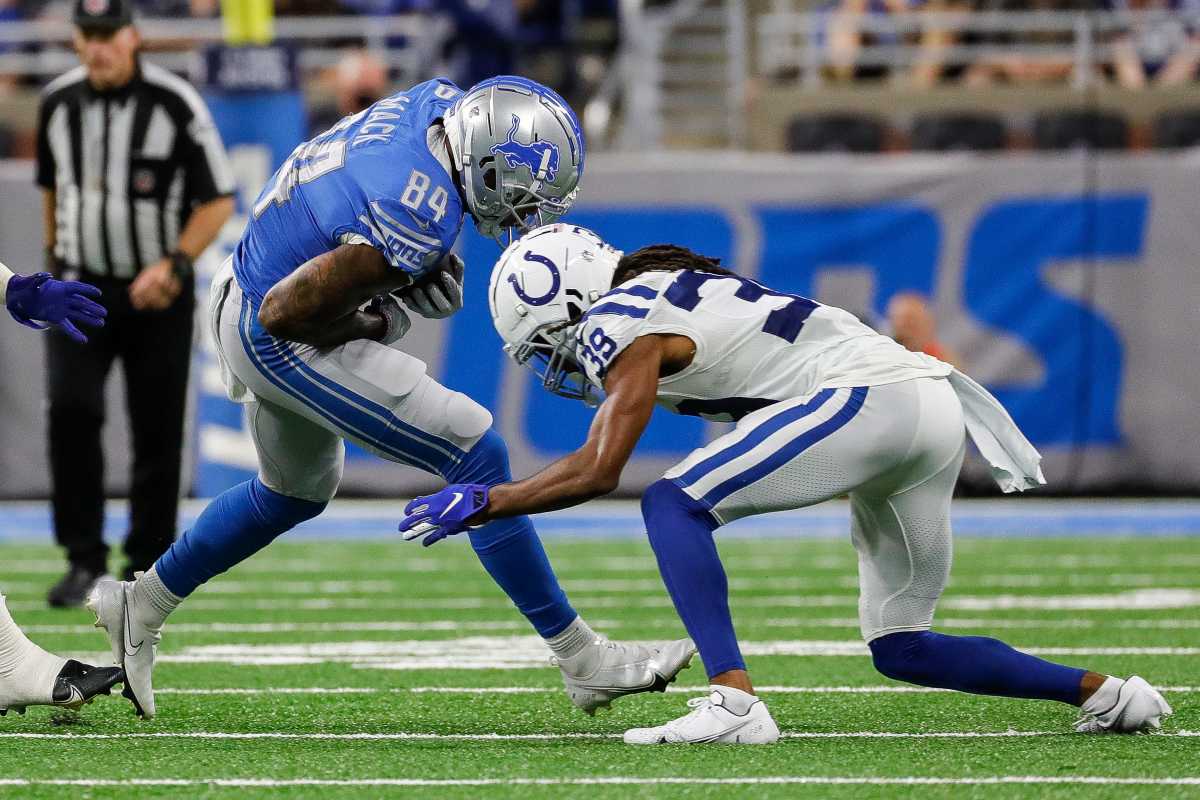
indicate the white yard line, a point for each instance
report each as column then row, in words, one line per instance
column 319, row 690
column 671, row 623
column 521, row 652
column 605, row 780
column 521, row 737
column 1121, row 602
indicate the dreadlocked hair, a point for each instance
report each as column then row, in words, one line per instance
column 664, row 258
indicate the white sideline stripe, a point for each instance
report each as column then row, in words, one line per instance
column 522, row 737
column 555, row 689
column 763, row 780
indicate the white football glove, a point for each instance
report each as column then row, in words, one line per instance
column 440, row 294
column 398, row 322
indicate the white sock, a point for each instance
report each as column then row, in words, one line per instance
column 572, row 640
column 153, row 602
column 735, row 700
column 27, row 672
column 1104, row 698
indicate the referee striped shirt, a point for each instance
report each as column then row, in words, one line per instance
column 127, row 167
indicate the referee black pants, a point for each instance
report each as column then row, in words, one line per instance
column 155, row 352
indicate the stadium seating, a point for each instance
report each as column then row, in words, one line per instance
column 1178, row 128
column 959, row 131
column 1089, row 128
column 825, row 133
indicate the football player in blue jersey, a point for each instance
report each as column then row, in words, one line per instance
column 28, row 674
column 308, row 315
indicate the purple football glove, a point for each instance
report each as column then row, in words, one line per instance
column 40, row 301
column 443, row 514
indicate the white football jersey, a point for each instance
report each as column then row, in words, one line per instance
column 754, row 346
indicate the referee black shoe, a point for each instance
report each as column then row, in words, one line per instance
column 73, row 588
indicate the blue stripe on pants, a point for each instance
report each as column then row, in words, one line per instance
column 789, row 451
column 277, row 364
column 753, row 439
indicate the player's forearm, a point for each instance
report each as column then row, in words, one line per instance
column 317, row 304
column 349, row 328
column 203, row 226
column 568, row 482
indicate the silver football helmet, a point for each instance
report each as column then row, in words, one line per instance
column 519, row 149
column 541, row 287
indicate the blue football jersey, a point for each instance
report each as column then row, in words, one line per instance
column 370, row 179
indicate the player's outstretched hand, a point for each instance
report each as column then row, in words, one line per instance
column 40, row 301
column 443, row 514
column 440, row 293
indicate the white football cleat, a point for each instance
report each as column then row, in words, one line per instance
column 133, row 645
column 713, row 721
column 604, row 670
column 1125, row 707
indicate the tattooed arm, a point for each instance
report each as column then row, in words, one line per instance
column 318, row 304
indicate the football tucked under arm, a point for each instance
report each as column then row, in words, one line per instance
column 439, row 293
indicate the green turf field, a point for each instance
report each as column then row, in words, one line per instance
column 404, row 669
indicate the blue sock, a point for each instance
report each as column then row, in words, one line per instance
column 973, row 664
column 681, row 533
column 234, row 526
column 509, row 549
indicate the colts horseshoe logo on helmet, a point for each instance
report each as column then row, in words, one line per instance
column 555, row 281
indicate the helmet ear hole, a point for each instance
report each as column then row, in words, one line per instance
column 489, row 172
column 574, row 312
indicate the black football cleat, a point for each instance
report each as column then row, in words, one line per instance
column 77, row 684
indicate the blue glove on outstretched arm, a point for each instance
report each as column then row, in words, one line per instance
column 443, row 514
column 40, row 301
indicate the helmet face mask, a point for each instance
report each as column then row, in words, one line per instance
column 519, row 152
column 549, row 351
column 540, row 289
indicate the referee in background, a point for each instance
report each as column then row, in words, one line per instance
column 136, row 185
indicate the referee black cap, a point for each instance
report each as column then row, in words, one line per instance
column 103, row 15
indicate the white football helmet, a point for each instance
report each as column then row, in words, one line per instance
column 540, row 289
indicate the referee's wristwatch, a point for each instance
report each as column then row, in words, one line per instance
column 181, row 265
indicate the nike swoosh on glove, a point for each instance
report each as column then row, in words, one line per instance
column 443, row 514
column 39, row 301
column 439, row 294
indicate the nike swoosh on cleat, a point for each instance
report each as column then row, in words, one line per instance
column 128, row 642
column 76, row 697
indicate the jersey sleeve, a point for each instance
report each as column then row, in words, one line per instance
column 606, row 330
column 46, row 168
column 410, row 242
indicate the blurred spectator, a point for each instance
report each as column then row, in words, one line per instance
column 912, row 324
column 1016, row 68
column 851, row 25
column 1159, row 42
column 359, row 79
column 484, row 42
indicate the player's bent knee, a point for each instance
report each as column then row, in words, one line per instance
column 900, row 656
column 466, row 418
column 663, row 502
column 486, row 462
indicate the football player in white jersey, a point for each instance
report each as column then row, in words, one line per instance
column 28, row 674
column 824, row 407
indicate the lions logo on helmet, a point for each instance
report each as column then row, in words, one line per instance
column 540, row 158
column 519, row 149
column 540, row 289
